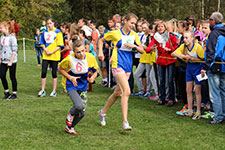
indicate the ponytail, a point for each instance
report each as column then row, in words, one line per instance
column 11, row 27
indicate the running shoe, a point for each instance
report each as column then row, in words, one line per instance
column 182, row 111
column 202, row 105
column 146, row 95
column 53, row 94
column 41, row 93
column 102, row 118
column 139, row 94
column 126, row 126
column 104, row 83
column 70, row 130
column 196, row 116
column 187, row 113
column 154, row 97
column 12, row 97
column 159, row 103
column 69, row 119
column 6, row 95
column 215, row 122
column 170, row 103
column 208, row 115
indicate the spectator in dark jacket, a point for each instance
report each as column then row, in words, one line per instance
column 216, row 72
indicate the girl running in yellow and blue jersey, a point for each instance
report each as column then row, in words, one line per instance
column 51, row 42
column 124, row 41
column 190, row 51
column 75, row 68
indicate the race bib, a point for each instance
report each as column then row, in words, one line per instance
column 143, row 40
column 50, row 37
column 5, row 41
column 78, row 66
column 127, row 39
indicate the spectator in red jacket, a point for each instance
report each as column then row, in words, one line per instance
column 164, row 43
column 16, row 27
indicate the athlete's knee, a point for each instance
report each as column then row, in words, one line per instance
column 198, row 91
column 188, row 89
column 43, row 74
column 117, row 93
column 79, row 108
column 54, row 74
column 12, row 77
column 2, row 75
column 126, row 92
column 82, row 114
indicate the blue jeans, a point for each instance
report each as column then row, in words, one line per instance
column 39, row 51
column 217, row 94
column 169, row 69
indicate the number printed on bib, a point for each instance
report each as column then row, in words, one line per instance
column 78, row 66
column 127, row 39
column 49, row 37
column 5, row 41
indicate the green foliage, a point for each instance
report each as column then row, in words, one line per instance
column 29, row 13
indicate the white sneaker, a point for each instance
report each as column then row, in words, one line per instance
column 70, row 130
column 69, row 119
column 102, row 118
column 126, row 126
column 53, row 94
column 41, row 93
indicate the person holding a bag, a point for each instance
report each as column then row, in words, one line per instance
column 164, row 43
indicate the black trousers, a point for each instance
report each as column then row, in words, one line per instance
column 12, row 74
column 53, row 65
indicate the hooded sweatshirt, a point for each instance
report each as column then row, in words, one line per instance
column 8, row 46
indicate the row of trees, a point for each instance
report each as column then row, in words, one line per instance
column 29, row 13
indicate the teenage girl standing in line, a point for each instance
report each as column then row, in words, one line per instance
column 51, row 42
column 191, row 51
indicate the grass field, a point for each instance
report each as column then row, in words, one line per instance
column 38, row 123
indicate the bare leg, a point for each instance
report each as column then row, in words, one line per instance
column 104, row 72
column 198, row 97
column 112, row 99
column 54, row 84
column 122, row 85
column 189, row 86
column 122, row 81
column 43, row 82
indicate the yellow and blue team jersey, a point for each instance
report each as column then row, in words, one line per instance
column 196, row 51
column 51, row 40
column 79, row 68
column 193, row 68
column 122, row 56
